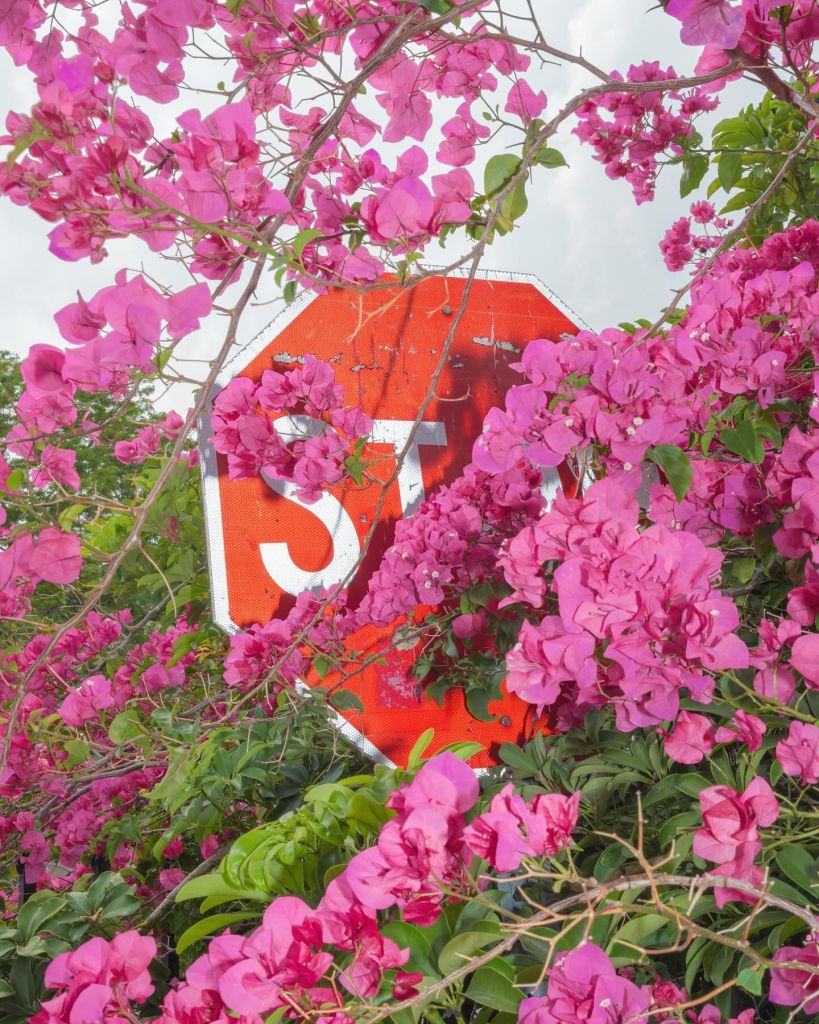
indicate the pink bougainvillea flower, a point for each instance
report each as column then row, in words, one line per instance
column 524, row 102
column 513, row 829
column 718, row 22
column 791, row 986
column 81, row 705
column 42, row 369
column 805, row 658
column 691, row 739
column 584, row 986
column 100, row 980
column 55, row 556
column 803, row 602
column 743, row 728
column 57, row 465
column 799, row 752
column 404, row 211
column 730, row 833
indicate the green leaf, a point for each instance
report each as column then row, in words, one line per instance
column 742, row 569
column 68, row 516
column 751, row 981
column 162, row 358
column 675, row 464
column 798, row 867
column 551, row 158
column 729, row 170
column 15, row 480
column 511, row 754
column 740, row 201
column 37, row 134
column 216, row 889
column 184, row 644
column 695, row 167
column 321, row 665
column 516, row 203
column 665, row 790
column 39, row 908
column 499, row 170
column 461, row 946
column 675, row 828
column 637, row 932
column 743, row 440
column 417, row 752
column 692, row 783
column 346, row 700
column 413, row 938
column 435, row 6
column 209, row 926
column 302, row 239
column 478, row 699
column 610, row 861
column 126, row 726
column 464, row 749
column 492, row 985
column 34, row 947
column 77, row 753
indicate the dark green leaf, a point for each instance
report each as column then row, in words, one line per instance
column 511, row 754
column 744, row 441
column 410, row 936
column 321, row 665
column 729, row 170
column 695, row 167
column 345, row 700
column 36, row 911
column 799, row 867
column 435, row 6
column 492, row 985
column 675, row 464
column 477, row 702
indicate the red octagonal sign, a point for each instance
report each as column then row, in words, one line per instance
column 265, row 546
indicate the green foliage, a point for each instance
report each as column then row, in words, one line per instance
column 746, row 152
column 299, row 851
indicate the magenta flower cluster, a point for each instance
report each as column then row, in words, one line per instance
column 245, row 427
column 631, row 131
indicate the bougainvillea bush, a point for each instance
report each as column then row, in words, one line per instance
column 185, row 839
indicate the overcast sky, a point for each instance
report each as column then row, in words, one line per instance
column 582, row 235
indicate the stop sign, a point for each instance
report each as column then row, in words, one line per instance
column 265, row 545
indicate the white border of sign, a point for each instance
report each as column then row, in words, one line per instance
column 217, row 566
